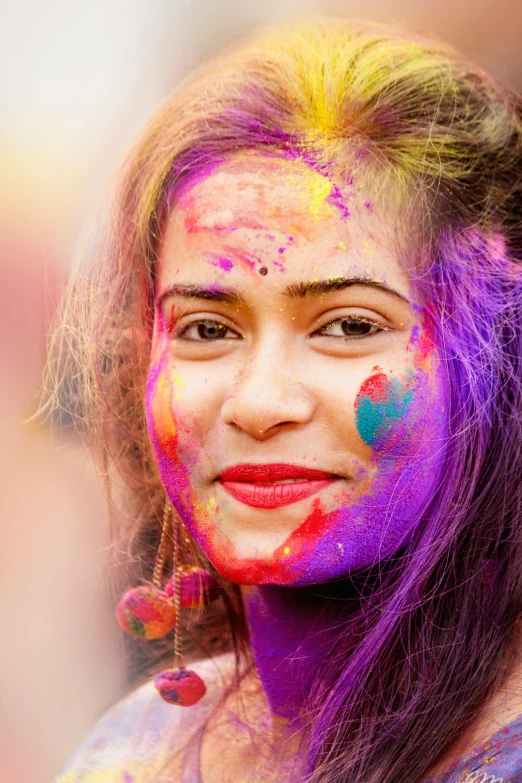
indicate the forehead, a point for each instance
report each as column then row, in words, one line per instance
column 284, row 188
column 284, row 214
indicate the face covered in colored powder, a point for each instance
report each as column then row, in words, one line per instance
column 295, row 400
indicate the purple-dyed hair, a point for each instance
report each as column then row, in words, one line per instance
column 420, row 641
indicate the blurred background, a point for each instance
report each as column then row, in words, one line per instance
column 77, row 82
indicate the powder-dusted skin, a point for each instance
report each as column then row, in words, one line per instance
column 256, row 211
column 163, row 435
column 143, row 738
column 402, row 421
column 379, row 404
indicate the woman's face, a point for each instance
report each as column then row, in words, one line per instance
column 295, row 400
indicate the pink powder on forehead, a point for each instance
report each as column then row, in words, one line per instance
column 226, row 264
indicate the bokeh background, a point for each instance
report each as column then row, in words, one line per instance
column 77, row 81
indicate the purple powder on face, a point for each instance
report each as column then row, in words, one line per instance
column 415, row 334
column 336, row 199
column 282, row 249
column 226, row 264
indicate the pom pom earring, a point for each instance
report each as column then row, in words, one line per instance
column 151, row 612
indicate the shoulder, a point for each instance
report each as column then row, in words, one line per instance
column 140, row 734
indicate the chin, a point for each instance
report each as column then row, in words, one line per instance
column 328, row 545
column 277, row 568
column 249, row 571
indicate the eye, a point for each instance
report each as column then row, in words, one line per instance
column 354, row 327
column 206, row 331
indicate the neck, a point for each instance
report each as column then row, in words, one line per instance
column 290, row 640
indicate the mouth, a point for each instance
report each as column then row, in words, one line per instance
column 273, row 485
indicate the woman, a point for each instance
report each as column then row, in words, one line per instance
column 300, row 333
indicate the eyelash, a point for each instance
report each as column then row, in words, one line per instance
column 319, row 332
column 202, row 322
column 354, row 318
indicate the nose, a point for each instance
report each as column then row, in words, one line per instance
column 267, row 393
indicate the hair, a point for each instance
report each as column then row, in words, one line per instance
column 415, row 661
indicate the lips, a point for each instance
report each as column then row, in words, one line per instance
column 273, row 485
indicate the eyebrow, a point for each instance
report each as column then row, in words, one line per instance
column 314, row 288
column 212, row 293
column 322, row 287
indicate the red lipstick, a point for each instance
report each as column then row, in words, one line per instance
column 262, row 486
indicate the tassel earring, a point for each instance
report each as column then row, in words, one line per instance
column 151, row 612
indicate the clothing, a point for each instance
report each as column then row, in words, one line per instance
column 142, row 739
column 499, row 760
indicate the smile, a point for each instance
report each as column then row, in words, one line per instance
column 273, row 485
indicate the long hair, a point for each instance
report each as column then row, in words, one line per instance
column 417, row 658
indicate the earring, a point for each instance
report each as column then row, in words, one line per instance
column 151, row 612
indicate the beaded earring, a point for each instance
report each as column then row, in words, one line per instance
column 152, row 611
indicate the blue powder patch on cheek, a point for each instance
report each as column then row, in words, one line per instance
column 369, row 418
column 379, row 404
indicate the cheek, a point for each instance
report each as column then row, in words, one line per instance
column 180, row 410
column 163, row 432
column 175, row 441
column 380, row 406
column 404, row 425
column 401, row 416
column 176, row 448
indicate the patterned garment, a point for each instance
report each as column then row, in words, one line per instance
column 499, row 760
column 142, row 739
